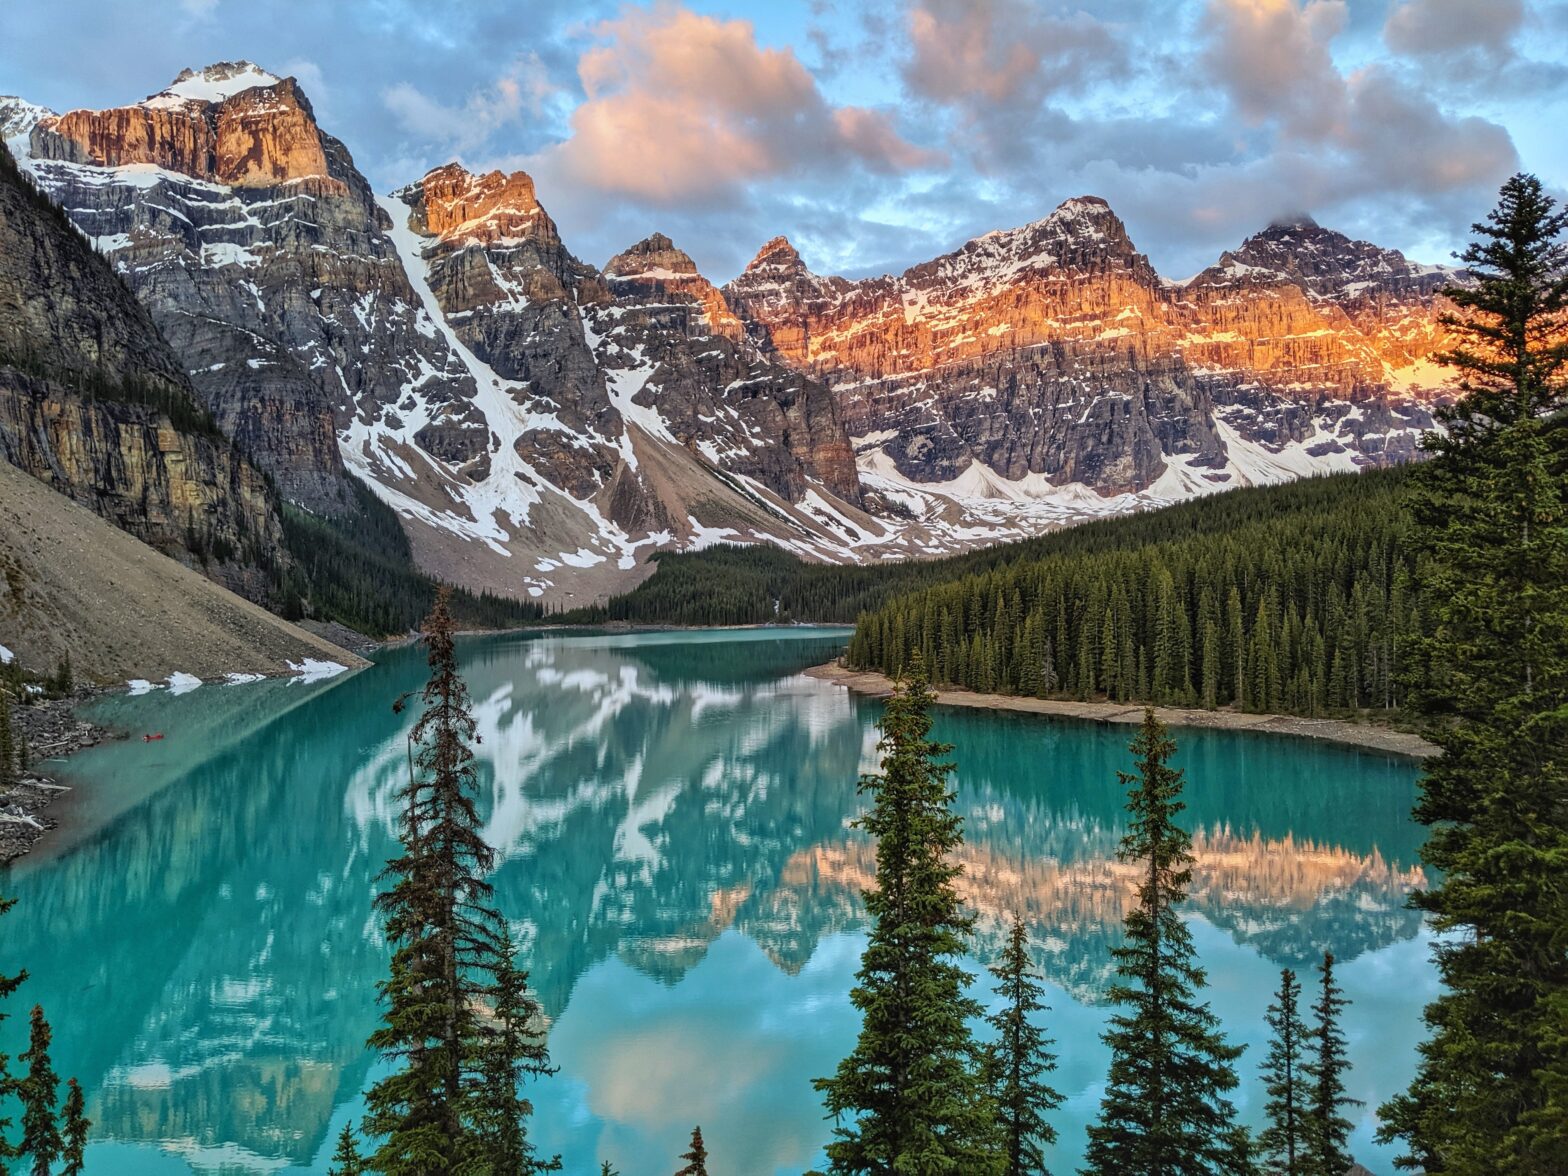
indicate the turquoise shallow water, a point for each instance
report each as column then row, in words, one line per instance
column 672, row 812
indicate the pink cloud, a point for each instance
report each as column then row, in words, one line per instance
column 683, row 106
column 995, row 51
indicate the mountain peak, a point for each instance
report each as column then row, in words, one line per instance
column 214, row 83
column 777, row 254
column 653, row 256
column 18, row 116
column 457, row 202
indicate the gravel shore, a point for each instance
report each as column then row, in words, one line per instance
column 52, row 732
column 1364, row 735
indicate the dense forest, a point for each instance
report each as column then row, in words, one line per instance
column 1300, row 599
column 748, row 585
column 360, row 572
column 1294, row 598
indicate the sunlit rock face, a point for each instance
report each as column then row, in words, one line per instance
column 231, row 123
column 258, row 247
column 654, row 268
column 543, row 426
column 1055, row 353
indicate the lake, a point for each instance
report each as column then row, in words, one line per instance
column 672, row 814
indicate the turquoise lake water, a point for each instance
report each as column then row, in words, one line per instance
column 672, row 814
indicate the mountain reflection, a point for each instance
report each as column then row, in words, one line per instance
column 210, row 957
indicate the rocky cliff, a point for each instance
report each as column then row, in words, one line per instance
column 542, row 426
column 94, row 403
column 1054, row 355
column 259, row 250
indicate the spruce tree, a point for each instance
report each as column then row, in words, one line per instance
column 1282, row 1144
column 1328, row 1131
column 74, row 1129
column 511, row 1055
column 8, row 985
column 697, row 1158
column 1164, row 1110
column 1491, row 1088
column 39, row 1093
column 443, row 935
column 608, row 1169
column 346, row 1160
column 1019, row 1059
column 911, row 1090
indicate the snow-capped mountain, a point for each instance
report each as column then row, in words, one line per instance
column 542, row 426
column 1054, row 355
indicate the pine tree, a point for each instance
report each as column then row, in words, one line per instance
column 8, row 985
column 608, row 1169
column 697, row 1158
column 443, row 935
column 911, row 1086
column 511, row 1055
column 74, row 1129
column 1491, row 1088
column 39, row 1093
column 1282, row 1143
column 346, row 1160
column 1164, row 1109
column 1019, row 1060
column 1328, row 1131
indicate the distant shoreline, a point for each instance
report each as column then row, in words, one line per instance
column 1362, row 735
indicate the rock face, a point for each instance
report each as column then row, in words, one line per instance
column 232, row 124
column 1055, row 352
column 542, row 426
column 259, row 250
column 615, row 409
column 94, row 404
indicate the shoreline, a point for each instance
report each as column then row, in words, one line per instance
column 53, row 732
column 1361, row 735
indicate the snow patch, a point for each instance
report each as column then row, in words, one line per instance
column 315, row 670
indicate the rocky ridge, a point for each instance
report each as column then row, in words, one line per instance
column 1054, row 355
column 95, row 405
column 542, row 426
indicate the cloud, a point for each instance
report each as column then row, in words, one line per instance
column 1370, row 130
column 1272, row 58
column 1444, row 27
column 685, row 107
column 995, row 51
column 521, row 90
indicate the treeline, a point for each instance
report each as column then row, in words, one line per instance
column 360, row 572
column 747, row 585
column 1311, row 606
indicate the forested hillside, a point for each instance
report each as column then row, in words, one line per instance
column 1302, row 599
column 1286, row 598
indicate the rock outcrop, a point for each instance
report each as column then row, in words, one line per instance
column 1055, row 351
column 95, row 404
column 542, row 426
column 260, row 251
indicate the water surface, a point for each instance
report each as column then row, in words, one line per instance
column 672, row 813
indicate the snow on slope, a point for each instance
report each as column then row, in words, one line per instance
column 497, row 508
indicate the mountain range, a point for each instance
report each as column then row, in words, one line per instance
column 541, row 426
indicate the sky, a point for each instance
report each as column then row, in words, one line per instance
column 878, row 133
